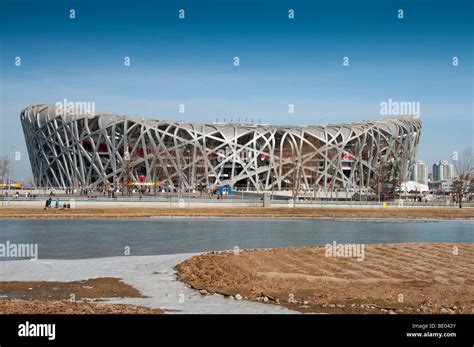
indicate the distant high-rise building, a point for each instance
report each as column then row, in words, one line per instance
column 419, row 172
column 443, row 171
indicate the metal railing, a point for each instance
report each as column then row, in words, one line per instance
column 233, row 200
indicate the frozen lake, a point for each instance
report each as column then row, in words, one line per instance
column 95, row 238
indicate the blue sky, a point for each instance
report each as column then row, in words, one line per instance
column 282, row 62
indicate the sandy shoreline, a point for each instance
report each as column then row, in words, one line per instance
column 240, row 212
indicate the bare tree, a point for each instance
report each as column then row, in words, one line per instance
column 5, row 165
column 127, row 180
column 381, row 177
column 200, row 174
column 158, row 171
column 396, row 178
column 463, row 165
column 295, row 177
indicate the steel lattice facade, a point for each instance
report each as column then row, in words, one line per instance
column 102, row 150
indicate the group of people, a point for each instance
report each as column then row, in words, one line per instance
column 56, row 205
column 13, row 195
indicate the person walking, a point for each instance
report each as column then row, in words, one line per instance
column 48, row 203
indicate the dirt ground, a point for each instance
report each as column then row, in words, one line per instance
column 391, row 278
column 268, row 212
column 103, row 287
column 44, row 297
column 66, row 307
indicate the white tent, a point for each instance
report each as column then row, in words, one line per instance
column 410, row 186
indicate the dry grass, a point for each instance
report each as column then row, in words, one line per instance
column 52, row 297
column 102, row 287
column 430, row 278
column 134, row 212
column 66, row 307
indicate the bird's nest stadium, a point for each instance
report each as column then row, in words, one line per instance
column 103, row 150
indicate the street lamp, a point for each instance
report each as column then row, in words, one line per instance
column 9, row 173
column 189, row 176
